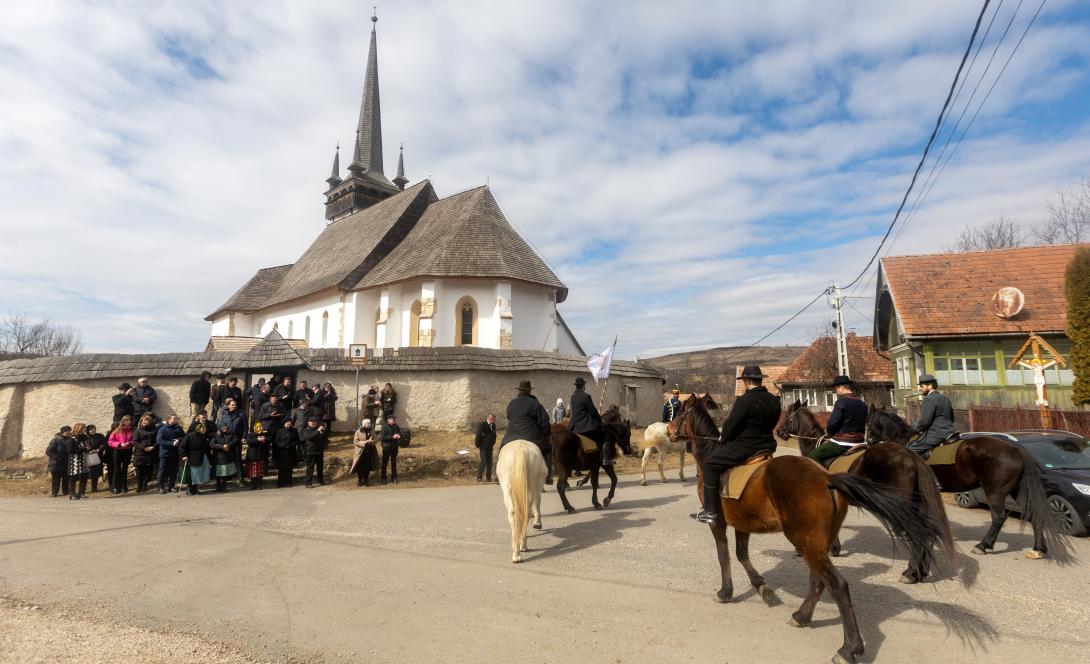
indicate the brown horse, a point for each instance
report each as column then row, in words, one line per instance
column 886, row 463
column 1001, row 469
column 568, row 455
column 798, row 497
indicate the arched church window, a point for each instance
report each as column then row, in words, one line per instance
column 291, row 329
column 465, row 315
column 414, row 324
column 325, row 328
column 306, row 330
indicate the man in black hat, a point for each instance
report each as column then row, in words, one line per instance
column 747, row 431
column 587, row 421
column 527, row 420
column 847, row 424
column 936, row 422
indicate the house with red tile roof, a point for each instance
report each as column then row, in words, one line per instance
column 963, row 317
column 810, row 377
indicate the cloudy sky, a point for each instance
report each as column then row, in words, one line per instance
column 695, row 172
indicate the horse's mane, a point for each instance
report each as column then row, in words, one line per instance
column 804, row 411
column 890, row 425
column 703, row 424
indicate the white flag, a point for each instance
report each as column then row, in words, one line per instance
column 599, row 363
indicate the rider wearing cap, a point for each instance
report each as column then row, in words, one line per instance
column 747, row 431
column 936, row 422
column 847, row 424
column 672, row 406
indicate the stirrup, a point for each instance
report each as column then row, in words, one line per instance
column 706, row 516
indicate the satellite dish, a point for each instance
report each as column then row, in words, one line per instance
column 1008, row 302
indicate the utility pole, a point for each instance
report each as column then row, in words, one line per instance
column 841, row 333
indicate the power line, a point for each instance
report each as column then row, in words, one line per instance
column 930, row 143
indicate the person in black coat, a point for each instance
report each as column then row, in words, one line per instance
column 77, row 462
column 747, row 431
column 283, row 453
column 371, row 404
column 272, row 415
column 527, row 420
column 391, row 441
column 231, row 391
column 587, row 421
column 200, row 393
column 484, row 441
column 314, row 442
column 388, row 400
column 57, row 453
column 286, row 392
column 96, row 445
column 144, row 451
column 123, row 404
column 329, row 406
column 143, row 397
column 195, row 452
column 224, row 445
column 256, row 451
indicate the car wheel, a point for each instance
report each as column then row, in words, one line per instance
column 1067, row 515
column 965, row 499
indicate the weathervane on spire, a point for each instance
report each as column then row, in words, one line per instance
column 374, row 13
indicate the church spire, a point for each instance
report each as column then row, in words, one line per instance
column 368, row 154
column 334, row 178
column 401, row 180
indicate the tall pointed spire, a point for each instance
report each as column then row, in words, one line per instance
column 401, row 180
column 334, row 178
column 369, row 141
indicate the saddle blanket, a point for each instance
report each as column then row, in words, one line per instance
column 943, row 455
column 733, row 482
column 843, row 463
column 588, row 444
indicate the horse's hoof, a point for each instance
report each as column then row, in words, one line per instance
column 979, row 550
column 841, row 659
column 517, row 560
column 767, row 594
column 537, row 526
column 597, row 506
column 643, row 482
column 795, row 623
column 722, row 598
column 571, row 510
column 664, row 481
column 1034, row 554
column 907, row 579
column 606, row 502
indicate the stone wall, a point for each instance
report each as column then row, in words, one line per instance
column 31, row 413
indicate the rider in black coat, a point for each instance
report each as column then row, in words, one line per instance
column 586, row 421
column 527, row 420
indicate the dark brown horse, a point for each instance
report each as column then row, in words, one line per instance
column 1001, row 469
column 886, row 463
column 568, row 455
column 798, row 497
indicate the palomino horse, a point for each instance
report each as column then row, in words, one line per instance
column 568, row 455
column 798, row 497
column 521, row 472
column 886, row 463
column 1001, row 469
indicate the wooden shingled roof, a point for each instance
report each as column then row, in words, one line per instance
column 273, row 351
column 951, row 294
column 113, row 365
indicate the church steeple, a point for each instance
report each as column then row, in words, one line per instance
column 334, row 178
column 401, row 180
column 366, row 184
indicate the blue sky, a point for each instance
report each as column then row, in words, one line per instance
column 695, row 172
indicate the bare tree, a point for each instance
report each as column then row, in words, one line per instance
column 1068, row 217
column 1000, row 233
column 21, row 337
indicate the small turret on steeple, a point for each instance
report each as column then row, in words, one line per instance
column 401, row 180
column 334, row 178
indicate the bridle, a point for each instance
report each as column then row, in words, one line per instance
column 793, row 417
column 674, row 435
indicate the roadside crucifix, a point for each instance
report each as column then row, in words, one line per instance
column 1038, row 364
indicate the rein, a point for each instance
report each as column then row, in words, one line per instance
column 676, row 433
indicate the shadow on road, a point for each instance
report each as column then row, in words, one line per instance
column 608, row 525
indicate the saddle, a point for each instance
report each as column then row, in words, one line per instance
column 587, row 444
column 944, row 454
column 733, row 482
column 844, row 462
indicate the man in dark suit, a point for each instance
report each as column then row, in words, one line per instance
column 527, row 420
column 484, row 441
column 747, row 431
column 586, row 421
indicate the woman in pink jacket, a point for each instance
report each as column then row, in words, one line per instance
column 120, row 443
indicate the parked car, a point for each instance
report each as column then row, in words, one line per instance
column 1064, row 460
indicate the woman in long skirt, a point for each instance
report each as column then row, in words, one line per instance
column 223, row 457
column 194, row 452
column 77, row 463
column 255, row 456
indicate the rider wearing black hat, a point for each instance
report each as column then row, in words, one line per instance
column 847, row 424
column 747, row 431
column 586, row 421
column 936, row 422
column 527, row 420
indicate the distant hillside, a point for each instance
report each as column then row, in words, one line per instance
column 713, row 370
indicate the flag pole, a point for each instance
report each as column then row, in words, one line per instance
column 605, row 381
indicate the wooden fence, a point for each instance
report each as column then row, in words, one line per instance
column 999, row 418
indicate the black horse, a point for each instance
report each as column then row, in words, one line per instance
column 888, row 464
column 568, row 456
column 1001, row 469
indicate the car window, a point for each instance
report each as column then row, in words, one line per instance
column 1061, row 454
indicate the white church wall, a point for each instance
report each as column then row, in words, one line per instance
column 221, row 326
column 534, row 326
column 448, row 292
column 567, row 343
column 297, row 313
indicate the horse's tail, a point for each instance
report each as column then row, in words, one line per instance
column 902, row 519
column 931, row 498
column 1033, row 503
column 518, row 487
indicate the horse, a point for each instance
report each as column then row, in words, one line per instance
column 521, row 472
column 568, row 455
column 657, row 437
column 1001, row 469
column 886, row 463
column 799, row 498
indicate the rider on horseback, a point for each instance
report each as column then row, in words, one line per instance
column 936, row 422
column 747, row 431
column 586, row 421
column 847, row 424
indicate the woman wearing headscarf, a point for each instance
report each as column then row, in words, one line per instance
column 283, row 453
column 120, row 442
column 194, row 452
column 223, row 456
column 256, row 447
column 77, row 463
column 366, row 456
column 96, row 454
column 144, row 452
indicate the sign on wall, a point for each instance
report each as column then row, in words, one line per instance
column 357, row 354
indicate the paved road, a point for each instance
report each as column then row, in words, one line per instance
column 424, row 575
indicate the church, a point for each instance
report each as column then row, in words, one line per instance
column 397, row 266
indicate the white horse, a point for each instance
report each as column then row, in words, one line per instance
column 521, row 472
column 656, row 437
